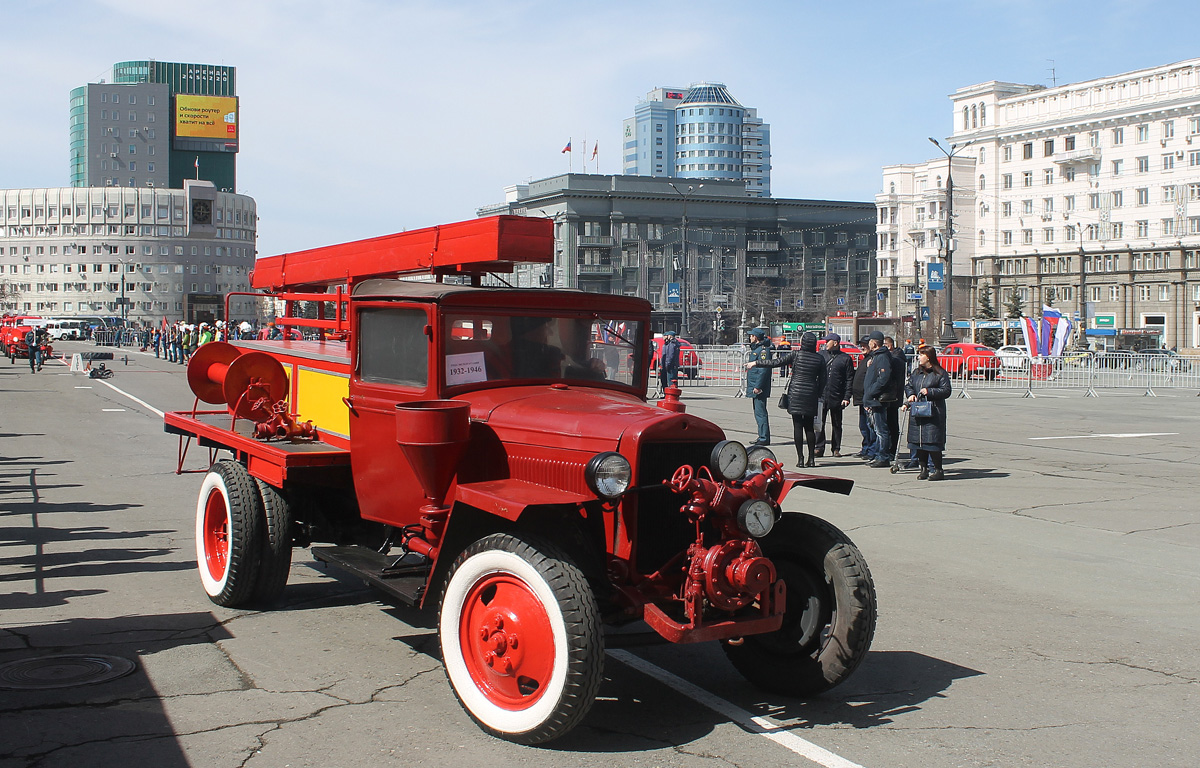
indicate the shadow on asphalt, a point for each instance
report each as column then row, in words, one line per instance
column 116, row 722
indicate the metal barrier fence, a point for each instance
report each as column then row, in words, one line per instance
column 104, row 337
column 1087, row 372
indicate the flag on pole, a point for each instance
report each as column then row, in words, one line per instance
column 564, row 149
column 197, row 162
column 1029, row 331
column 1056, row 329
column 595, row 149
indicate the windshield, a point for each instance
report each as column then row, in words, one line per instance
column 489, row 347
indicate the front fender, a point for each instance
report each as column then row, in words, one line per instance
column 828, row 484
column 508, row 498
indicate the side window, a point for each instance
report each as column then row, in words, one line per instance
column 393, row 347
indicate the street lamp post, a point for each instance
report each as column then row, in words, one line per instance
column 683, row 255
column 948, row 336
column 1081, row 339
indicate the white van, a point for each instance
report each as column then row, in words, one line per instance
column 65, row 329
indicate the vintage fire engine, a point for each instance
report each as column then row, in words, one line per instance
column 489, row 454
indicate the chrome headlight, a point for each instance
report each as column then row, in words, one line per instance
column 755, row 456
column 608, row 474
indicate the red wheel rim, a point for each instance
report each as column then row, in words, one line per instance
column 216, row 535
column 507, row 641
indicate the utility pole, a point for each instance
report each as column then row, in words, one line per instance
column 683, row 256
column 948, row 336
column 1081, row 339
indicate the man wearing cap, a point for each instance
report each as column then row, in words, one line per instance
column 758, row 383
column 668, row 361
column 876, row 392
column 838, row 382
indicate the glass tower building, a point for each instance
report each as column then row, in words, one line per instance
column 699, row 132
column 126, row 131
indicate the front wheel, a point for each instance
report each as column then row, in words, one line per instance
column 521, row 638
column 830, row 612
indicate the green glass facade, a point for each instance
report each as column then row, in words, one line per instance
column 79, row 136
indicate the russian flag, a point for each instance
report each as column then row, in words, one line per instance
column 1029, row 331
column 567, row 148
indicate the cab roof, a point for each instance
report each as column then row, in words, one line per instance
column 449, row 294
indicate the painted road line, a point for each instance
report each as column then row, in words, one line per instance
column 140, row 402
column 1115, row 434
column 113, row 410
column 752, row 723
column 82, row 387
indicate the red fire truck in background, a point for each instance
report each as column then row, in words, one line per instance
column 488, row 454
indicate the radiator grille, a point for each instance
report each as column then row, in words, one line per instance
column 662, row 532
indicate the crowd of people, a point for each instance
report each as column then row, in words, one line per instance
column 824, row 383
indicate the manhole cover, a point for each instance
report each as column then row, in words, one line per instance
column 65, row 671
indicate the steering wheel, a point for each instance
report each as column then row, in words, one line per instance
column 681, row 479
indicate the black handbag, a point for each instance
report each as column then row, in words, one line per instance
column 783, row 399
column 921, row 409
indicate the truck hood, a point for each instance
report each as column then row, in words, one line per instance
column 579, row 418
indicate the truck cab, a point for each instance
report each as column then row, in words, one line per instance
column 488, row 454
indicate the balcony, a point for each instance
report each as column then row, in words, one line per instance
column 762, row 271
column 607, row 240
column 1077, row 156
column 597, row 270
column 762, row 245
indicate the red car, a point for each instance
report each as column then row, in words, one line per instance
column 965, row 360
column 856, row 352
column 689, row 358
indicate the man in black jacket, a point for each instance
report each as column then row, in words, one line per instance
column 838, row 384
column 876, row 395
column 864, row 416
column 899, row 377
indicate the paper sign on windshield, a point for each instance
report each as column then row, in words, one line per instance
column 465, row 368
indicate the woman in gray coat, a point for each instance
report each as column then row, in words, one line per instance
column 804, row 392
column 927, row 435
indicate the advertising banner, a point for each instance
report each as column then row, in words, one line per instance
column 206, row 117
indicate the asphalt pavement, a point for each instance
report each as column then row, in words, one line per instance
column 1037, row 608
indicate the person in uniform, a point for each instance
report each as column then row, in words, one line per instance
column 758, row 383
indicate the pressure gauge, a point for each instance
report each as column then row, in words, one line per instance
column 756, row 517
column 728, row 460
column 755, row 456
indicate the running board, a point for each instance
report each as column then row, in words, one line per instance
column 404, row 582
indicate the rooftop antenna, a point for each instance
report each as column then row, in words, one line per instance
column 1053, row 79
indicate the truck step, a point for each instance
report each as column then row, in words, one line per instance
column 404, row 582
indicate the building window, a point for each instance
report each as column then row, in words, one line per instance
column 1027, row 236
column 1027, row 150
column 1094, row 139
column 1006, row 208
column 1069, row 202
column 1168, row 129
column 1006, row 181
column 1094, row 201
column 1116, row 167
column 1048, row 176
column 1048, row 235
column 1026, row 207
column 1069, row 233
column 1047, row 147
column 1168, row 161
column 1118, row 136
column 1143, row 134
column 1027, row 178
column 1007, row 153
column 1168, row 226
column 1143, row 196
column 1069, row 173
column 1069, row 143
column 1047, row 205
column 1006, row 237
column 1118, row 230
column 1143, row 165
column 1168, row 194
column 982, row 182
column 1143, row 228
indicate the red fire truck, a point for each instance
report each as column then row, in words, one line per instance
column 488, row 454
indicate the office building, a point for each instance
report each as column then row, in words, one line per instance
column 144, row 254
column 705, row 246
column 155, row 124
column 699, row 132
column 1084, row 196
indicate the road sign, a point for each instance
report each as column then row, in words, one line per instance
column 779, row 302
column 841, row 301
column 672, row 293
column 800, row 303
column 915, row 296
column 924, row 314
column 936, row 277
column 879, row 296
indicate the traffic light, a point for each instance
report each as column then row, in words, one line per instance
column 722, row 325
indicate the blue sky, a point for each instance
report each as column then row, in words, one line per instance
column 364, row 117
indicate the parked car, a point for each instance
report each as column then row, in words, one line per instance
column 66, row 329
column 965, row 360
column 1160, row 360
column 1014, row 356
column 689, row 358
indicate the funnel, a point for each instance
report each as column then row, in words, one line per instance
column 433, row 435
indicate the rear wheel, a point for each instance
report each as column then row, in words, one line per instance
column 521, row 639
column 830, row 616
column 276, row 544
column 229, row 534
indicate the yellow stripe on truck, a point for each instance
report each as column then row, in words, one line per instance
column 319, row 398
